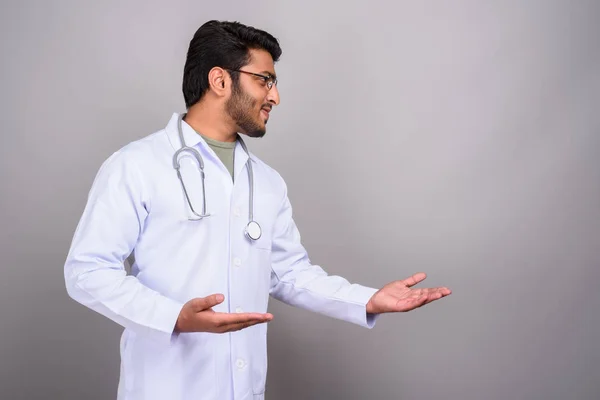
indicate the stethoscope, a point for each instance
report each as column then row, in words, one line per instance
column 252, row 230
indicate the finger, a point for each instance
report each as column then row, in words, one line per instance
column 204, row 303
column 443, row 290
column 225, row 319
column 433, row 292
column 416, row 278
column 238, row 327
column 418, row 298
column 432, row 296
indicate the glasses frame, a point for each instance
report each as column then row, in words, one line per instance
column 269, row 80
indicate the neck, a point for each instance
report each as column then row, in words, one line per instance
column 209, row 122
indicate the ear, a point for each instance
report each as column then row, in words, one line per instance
column 219, row 81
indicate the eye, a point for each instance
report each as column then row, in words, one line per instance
column 268, row 80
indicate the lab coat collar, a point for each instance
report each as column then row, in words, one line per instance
column 192, row 138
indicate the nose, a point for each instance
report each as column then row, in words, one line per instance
column 273, row 96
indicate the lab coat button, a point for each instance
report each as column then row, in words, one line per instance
column 240, row 363
column 237, row 212
column 239, row 310
column 237, row 262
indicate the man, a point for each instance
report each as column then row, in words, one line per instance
column 212, row 236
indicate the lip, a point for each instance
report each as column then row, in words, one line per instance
column 265, row 111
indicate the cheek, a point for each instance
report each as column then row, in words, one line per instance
column 255, row 99
column 250, row 101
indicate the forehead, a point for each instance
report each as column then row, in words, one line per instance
column 261, row 61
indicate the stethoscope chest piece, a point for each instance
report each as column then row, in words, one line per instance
column 253, row 230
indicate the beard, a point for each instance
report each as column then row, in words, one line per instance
column 241, row 108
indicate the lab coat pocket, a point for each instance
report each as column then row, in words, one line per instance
column 265, row 215
column 264, row 242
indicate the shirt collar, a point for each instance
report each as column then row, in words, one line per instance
column 191, row 137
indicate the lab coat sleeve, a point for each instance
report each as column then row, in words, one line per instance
column 297, row 282
column 105, row 236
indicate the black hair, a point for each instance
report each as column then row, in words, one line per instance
column 221, row 44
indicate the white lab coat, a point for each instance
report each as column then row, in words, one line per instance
column 136, row 204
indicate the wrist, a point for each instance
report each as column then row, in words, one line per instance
column 178, row 325
column 369, row 307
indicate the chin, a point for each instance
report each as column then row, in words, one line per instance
column 257, row 129
column 258, row 133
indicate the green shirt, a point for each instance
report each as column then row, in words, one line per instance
column 224, row 150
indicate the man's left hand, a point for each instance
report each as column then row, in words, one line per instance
column 399, row 296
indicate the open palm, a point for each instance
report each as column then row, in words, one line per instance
column 400, row 296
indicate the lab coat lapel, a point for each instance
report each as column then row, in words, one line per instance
column 239, row 162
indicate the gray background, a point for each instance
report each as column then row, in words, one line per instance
column 456, row 138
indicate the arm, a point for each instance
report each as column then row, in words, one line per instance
column 106, row 234
column 295, row 281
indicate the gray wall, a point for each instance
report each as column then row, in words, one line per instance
column 456, row 138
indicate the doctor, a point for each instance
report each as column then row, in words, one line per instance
column 211, row 232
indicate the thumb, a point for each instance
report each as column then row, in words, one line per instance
column 201, row 304
column 413, row 280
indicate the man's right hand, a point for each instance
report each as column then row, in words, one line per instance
column 197, row 315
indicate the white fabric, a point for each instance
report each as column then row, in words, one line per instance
column 136, row 204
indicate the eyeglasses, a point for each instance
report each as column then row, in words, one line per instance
column 269, row 80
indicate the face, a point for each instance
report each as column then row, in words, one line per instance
column 251, row 100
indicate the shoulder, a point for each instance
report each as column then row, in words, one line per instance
column 137, row 153
column 129, row 164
